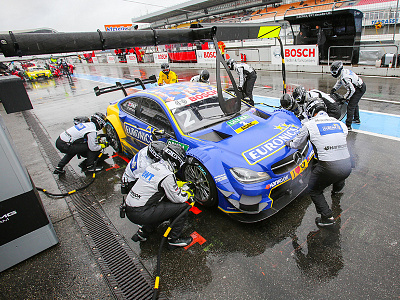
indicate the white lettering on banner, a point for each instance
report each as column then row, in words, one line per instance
column 296, row 55
column 205, row 56
column 160, row 57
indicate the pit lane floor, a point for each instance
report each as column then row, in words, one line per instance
column 283, row 257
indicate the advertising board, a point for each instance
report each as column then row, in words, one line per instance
column 296, row 55
column 161, row 57
column 206, row 56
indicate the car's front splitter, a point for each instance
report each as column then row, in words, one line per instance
column 248, row 210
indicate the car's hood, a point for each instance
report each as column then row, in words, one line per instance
column 250, row 140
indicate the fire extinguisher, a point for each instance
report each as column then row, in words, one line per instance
column 243, row 57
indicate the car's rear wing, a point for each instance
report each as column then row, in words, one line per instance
column 123, row 86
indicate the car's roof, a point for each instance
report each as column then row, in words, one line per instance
column 190, row 91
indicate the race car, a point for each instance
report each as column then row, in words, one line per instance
column 238, row 161
column 35, row 72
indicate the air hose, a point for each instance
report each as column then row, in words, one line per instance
column 157, row 280
column 75, row 190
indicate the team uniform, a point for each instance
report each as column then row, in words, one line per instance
column 247, row 79
column 80, row 139
column 156, row 198
column 169, row 78
column 197, row 78
column 355, row 90
column 328, row 137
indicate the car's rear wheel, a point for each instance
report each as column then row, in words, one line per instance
column 113, row 137
column 206, row 191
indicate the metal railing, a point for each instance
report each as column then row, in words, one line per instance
column 367, row 46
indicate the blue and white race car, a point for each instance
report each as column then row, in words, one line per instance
column 239, row 161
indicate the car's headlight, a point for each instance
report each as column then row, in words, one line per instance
column 248, row 176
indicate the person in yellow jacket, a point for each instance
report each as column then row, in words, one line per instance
column 166, row 75
column 221, row 46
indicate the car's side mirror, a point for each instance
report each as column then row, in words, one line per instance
column 158, row 134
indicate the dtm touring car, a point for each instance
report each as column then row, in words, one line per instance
column 239, row 162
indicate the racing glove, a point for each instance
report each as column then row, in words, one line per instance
column 189, row 193
column 333, row 91
column 104, row 145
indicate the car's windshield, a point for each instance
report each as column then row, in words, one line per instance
column 202, row 113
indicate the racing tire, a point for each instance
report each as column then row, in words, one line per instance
column 206, row 191
column 113, row 138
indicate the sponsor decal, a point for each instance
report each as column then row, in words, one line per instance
column 147, row 175
column 184, row 146
column 299, row 169
column 337, row 147
column 203, row 95
column 6, row 217
column 241, row 123
column 118, row 27
column 138, row 133
column 220, row 178
column 329, row 128
column 271, row 146
column 277, row 182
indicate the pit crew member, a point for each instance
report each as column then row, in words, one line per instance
column 145, row 157
column 81, row 139
column 166, row 75
column 355, row 90
column 247, row 78
column 156, row 198
column 301, row 96
column 288, row 103
column 203, row 77
column 328, row 136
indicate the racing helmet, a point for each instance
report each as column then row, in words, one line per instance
column 165, row 68
column 175, row 155
column 204, row 76
column 299, row 94
column 231, row 63
column 314, row 106
column 336, row 68
column 99, row 120
column 287, row 102
column 154, row 150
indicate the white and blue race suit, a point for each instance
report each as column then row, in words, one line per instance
column 355, row 90
column 247, row 79
column 80, row 139
column 332, row 107
column 137, row 165
column 328, row 137
column 156, row 198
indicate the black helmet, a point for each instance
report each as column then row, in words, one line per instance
column 287, row 102
column 336, row 68
column 231, row 63
column 154, row 150
column 204, row 76
column 299, row 94
column 165, row 68
column 99, row 120
column 314, row 106
column 175, row 155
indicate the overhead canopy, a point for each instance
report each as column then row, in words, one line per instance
column 20, row 44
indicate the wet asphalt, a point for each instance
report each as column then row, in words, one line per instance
column 284, row 257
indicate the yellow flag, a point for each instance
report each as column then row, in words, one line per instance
column 267, row 32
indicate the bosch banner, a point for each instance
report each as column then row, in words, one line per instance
column 161, row 57
column 296, row 55
column 206, row 56
column 110, row 59
column 131, row 59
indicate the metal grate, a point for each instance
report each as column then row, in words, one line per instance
column 125, row 275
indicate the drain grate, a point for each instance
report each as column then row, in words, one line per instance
column 125, row 275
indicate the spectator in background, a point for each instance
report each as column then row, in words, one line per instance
column 321, row 40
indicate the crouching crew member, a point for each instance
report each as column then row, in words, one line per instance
column 247, row 78
column 328, row 136
column 203, row 77
column 301, row 96
column 81, row 139
column 156, row 198
column 355, row 90
column 144, row 158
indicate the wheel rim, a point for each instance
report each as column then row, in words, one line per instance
column 112, row 136
column 196, row 175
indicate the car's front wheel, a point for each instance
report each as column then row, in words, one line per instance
column 113, row 137
column 206, row 191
